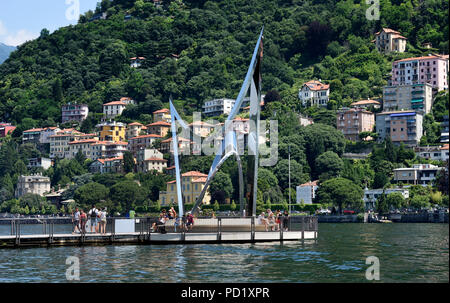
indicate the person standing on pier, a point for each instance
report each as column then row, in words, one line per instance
column 102, row 222
column 93, row 213
column 76, row 221
column 286, row 220
column 83, row 218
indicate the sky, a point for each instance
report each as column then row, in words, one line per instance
column 23, row 20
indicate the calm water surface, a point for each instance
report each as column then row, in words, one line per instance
column 407, row 253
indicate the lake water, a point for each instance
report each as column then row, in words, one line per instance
column 407, row 253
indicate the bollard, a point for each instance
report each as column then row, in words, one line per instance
column 303, row 229
column 253, row 229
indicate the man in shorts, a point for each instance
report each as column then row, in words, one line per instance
column 76, row 221
column 93, row 214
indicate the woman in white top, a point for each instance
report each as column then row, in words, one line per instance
column 263, row 220
column 102, row 216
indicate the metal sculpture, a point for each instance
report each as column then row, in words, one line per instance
column 228, row 145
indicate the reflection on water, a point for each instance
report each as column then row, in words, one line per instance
column 407, row 253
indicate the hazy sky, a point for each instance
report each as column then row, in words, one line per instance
column 23, row 20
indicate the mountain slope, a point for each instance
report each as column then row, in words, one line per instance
column 5, row 50
column 198, row 50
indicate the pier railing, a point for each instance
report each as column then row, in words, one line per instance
column 18, row 227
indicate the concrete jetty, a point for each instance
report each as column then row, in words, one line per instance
column 221, row 230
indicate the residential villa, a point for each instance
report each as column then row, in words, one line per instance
column 110, row 165
column 388, row 40
column 112, row 131
column 307, row 192
column 354, row 121
column 400, row 126
column 35, row 184
column 74, row 112
column 148, row 160
column 366, row 104
column 134, row 129
column 141, row 142
column 44, row 163
column 5, row 129
column 115, row 108
column 417, row 97
column 160, row 128
column 136, row 62
column 184, row 145
column 371, row 195
column 162, row 115
column 436, row 153
column 59, row 143
column 431, row 69
column 314, row 93
column 419, row 174
column 192, row 184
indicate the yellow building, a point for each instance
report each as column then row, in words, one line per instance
column 162, row 115
column 112, row 131
column 192, row 184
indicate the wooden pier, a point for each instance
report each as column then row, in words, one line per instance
column 222, row 230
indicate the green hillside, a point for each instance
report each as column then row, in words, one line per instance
column 89, row 62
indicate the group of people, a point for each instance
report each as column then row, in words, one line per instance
column 274, row 221
column 97, row 219
column 185, row 223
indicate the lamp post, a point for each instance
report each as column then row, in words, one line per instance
column 289, row 152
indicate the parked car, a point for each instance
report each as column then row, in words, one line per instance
column 325, row 211
column 349, row 212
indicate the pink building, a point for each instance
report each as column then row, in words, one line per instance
column 354, row 121
column 5, row 129
column 432, row 69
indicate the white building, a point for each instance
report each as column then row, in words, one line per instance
column 115, row 108
column 314, row 93
column 307, row 192
column 419, row 174
column 223, row 106
column 437, row 153
column 136, row 62
column 44, row 163
column 74, row 112
column 149, row 160
column 371, row 195
column 36, row 184
column 388, row 40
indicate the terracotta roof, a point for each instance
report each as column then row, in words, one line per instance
column 180, row 139
column 317, row 85
column 156, row 159
column 34, row 130
column 135, row 124
column 365, row 102
column 146, row 136
column 201, row 123
column 194, row 174
column 445, row 147
column 313, row 183
column 421, row 58
column 83, row 141
column 115, row 103
column 199, row 180
column 397, row 36
column 159, row 123
column 161, row 111
column 116, row 143
column 387, row 31
column 134, row 58
column 172, row 182
column 172, row 167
